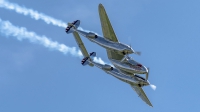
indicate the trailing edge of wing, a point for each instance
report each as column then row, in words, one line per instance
column 106, row 26
column 142, row 94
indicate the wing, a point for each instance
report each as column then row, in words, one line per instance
column 108, row 32
column 141, row 94
column 106, row 26
column 114, row 55
column 81, row 45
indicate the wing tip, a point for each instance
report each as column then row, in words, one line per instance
column 151, row 105
column 101, row 6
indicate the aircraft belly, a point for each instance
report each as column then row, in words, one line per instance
column 124, row 67
column 117, row 74
column 125, row 78
column 102, row 45
column 107, row 44
column 130, row 79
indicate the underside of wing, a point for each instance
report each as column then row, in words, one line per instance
column 80, row 44
column 106, row 26
column 114, row 55
column 108, row 33
column 142, row 94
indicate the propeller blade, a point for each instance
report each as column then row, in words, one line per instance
column 138, row 53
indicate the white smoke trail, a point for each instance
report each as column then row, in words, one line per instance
column 32, row 13
column 35, row 14
column 21, row 33
column 153, row 87
column 44, row 40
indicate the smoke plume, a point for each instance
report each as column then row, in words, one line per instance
column 32, row 13
column 22, row 33
column 35, row 14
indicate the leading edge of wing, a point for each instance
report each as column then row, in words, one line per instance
column 142, row 94
column 106, row 26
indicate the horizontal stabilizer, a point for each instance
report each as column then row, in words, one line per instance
column 72, row 26
column 93, row 54
column 85, row 61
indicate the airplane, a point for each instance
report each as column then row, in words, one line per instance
column 116, row 51
column 135, row 81
column 104, row 42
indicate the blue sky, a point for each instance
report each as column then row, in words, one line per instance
column 35, row 78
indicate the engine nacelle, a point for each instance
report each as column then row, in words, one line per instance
column 91, row 35
column 107, row 67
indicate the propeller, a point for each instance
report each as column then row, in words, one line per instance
column 136, row 52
